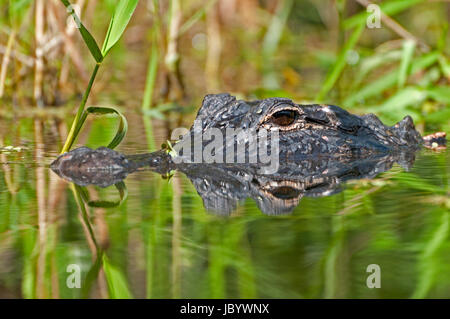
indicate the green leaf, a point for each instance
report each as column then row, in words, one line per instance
column 271, row 41
column 388, row 8
column 119, row 21
column 407, row 54
column 440, row 116
column 92, row 275
column 152, row 70
column 117, row 284
column 429, row 261
column 403, row 98
column 429, row 77
column 123, row 194
column 415, row 182
column 84, row 194
column 334, row 74
column 17, row 9
column 121, row 131
column 440, row 94
column 157, row 112
column 373, row 62
column 154, row 113
column 87, row 37
column 445, row 66
column 196, row 16
column 388, row 80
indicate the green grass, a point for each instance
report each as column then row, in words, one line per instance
column 122, row 15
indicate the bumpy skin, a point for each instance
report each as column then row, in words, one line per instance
column 84, row 166
column 320, row 146
column 104, row 167
column 325, row 130
column 223, row 186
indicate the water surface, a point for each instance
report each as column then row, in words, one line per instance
column 160, row 242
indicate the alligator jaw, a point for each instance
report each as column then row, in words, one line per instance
column 104, row 167
column 84, row 166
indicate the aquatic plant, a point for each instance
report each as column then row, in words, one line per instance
column 123, row 11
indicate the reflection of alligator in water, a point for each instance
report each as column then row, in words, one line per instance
column 222, row 186
column 319, row 147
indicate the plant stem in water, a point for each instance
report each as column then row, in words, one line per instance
column 71, row 137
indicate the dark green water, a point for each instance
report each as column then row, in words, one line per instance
column 160, row 242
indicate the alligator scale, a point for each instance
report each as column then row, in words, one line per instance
column 318, row 148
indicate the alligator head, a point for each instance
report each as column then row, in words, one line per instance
column 306, row 130
column 319, row 147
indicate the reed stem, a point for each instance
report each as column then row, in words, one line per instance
column 71, row 137
column 5, row 61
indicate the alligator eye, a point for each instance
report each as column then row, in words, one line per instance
column 284, row 117
column 285, row 192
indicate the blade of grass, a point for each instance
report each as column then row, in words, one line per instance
column 387, row 81
column 396, row 105
column 415, row 182
column 429, row 261
column 151, row 75
column 388, row 8
column 92, row 275
column 87, row 37
column 273, row 35
column 149, row 89
column 271, row 40
column 373, row 62
column 80, row 195
column 340, row 62
column 440, row 94
column 123, row 194
column 17, row 10
column 437, row 117
column 121, row 131
column 119, row 21
column 195, row 17
column 445, row 66
column 407, row 54
column 117, row 284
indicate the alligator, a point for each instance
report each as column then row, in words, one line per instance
column 318, row 147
